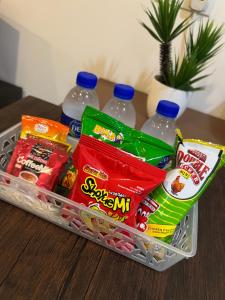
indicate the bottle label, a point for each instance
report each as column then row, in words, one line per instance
column 73, row 124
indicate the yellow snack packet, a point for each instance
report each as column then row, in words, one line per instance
column 44, row 128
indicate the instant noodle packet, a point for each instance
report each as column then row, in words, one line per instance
column 111, row 181
column 197, row 163
column 105, row 128
column 41, row 154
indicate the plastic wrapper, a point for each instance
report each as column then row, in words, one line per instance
column 105, row 128
column 45, row 128
column 41, row 154
column 112, row 181
column 197, row 163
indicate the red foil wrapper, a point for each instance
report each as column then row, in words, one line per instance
column 111, row 181
column 38, row 161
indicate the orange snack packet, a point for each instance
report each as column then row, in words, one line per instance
column 41, row 153
column 48, row 129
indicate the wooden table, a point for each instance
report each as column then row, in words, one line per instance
column 41, row 261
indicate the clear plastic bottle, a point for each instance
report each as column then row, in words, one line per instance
column 76, row 100
column 120, row 106
column 162, row 124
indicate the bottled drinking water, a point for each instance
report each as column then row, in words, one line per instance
column 76, row 100
column 120, row 106
column 162, row 124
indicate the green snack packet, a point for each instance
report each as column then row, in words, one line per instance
column 197, row 163
column 105, row 128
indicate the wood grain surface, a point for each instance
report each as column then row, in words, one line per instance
column 39, row 260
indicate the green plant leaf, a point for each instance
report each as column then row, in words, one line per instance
column 198, row 55
column 163, row 17
column 199, row 78
column 199, row 50
column 151, row 32
column 181, row 27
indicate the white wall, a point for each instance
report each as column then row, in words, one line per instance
column 44, row 43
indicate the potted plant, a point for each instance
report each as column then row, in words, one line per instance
column 178, row 76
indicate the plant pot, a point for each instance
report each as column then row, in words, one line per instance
column 159, row 91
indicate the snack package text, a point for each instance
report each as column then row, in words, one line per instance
column 105, row 128
column 196, row 165
column 41, row 153
column 112, row 181
column 48, row 129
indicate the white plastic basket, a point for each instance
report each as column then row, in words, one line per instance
column 91, row 224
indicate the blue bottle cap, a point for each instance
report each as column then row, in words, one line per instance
column 123, row 91
column 86, row 80
column 168, row 109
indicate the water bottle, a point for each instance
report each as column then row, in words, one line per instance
column 76, row 100
column 162, row 124
column 120, row 106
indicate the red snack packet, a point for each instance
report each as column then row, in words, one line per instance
column 38, row 161
column 112, row 181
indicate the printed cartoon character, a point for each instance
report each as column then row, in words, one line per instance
column 99, row 223
column 164, row 162
column 177, row 186
column 144, row 210
column 119, row 138
column 95, row 206
column 69, row 178
column 90, row 220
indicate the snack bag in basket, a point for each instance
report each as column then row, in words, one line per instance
column 45, row 128
column 105, row 128
column 67, row 179
column 41, row 154
column 197, row 163
column 112, row 181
